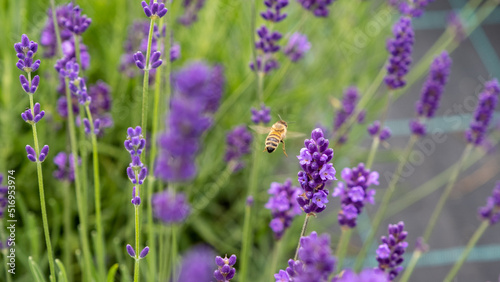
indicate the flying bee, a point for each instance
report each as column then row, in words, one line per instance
column 277, row 134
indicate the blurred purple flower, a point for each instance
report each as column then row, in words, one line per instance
column 485, row 108
column 196, row 264
column 191, row 10
column 400, row 49
column 316, row 171
column 491, row 211
column 354, row 193
column 456, row 26
column 267, row 45
column 432, row 91
column 3, row 199
column 390, row 252
column 76, row 22
column 170, row 207
column 374, row 130
column 283, row 205
column 273, row 12
column 261, row 116
column 411, row 8
column 238, row 143
column 197, row 92
column 349, row 101
column 318, row 7
column 225, row 270
column 315, row 261
column 175, row 51
column 297, row 46
column 65, row 167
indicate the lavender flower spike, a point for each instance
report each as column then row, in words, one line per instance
column 169, row 207
column 318, row 7
column 261, row 116
column 367, row 275
column 273, row 12
column 283, row 206
column 488, row 100
column 491, row 211
column 354, row 193
column 316, row 171
column 432, row 91
column 374, row 130
column 268, row 45
column 238, row 143
column 136, row 171
column 191, row 9
column 154, row 10
column 76, row 22
column 349, row 101
column 34, row 116
column 297, row 46
column 26, row 51
column 400, row 49
column 390, row 252
column 225, row 271
column 32, row 154
column 315, row 261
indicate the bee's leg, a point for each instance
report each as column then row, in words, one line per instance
column 284, row 151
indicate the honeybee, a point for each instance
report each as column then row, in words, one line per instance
column 277, row 135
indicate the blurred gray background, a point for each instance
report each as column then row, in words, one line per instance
column 474, row 61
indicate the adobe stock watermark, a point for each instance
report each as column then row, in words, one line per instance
column 11, row 223
column 427, row 145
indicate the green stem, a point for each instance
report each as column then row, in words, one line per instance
column 247, row 228
column 345, row 237
column 67, row 256
column 472, row 242
column 379, row 216
column 97, row 198
column 373, row 151
column 42, row 193
column 411, row 265
column 274, row 261
column 174, row 247
column 79, row 198
column 145, row 83
column 137, row 251
column 260, row 89
column 302, row 233
column 446, row 193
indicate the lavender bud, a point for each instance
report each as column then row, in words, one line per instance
column 144, row 252
column 43, row 153
column 130, row 251
column 31, row 153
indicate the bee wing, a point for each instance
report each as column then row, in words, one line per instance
column 260, row 129
column 336, row 103
column 293, row 134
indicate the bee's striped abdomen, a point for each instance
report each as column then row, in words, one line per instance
column 272, row 141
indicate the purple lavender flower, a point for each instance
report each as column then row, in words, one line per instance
column 225, row 271
column 411, row 8
column 100, row 95
column 135, row 144
column 196, row 264
column 390, row 252
column 488, row 100
column 34, row 116
column 197, row 92
column 170, row 207
column 76, row 22
column 238, row 143
column 154, row 10
column 318, row 7
column 400, row 48
column 267, row 45
column 431, row 91
column 315, row 261
column 316, row 171
column 77, row 84
column 48, row 35
column 297, row 46
column 3, row 199
column 354, row 193
column 32, row 156
column 154, row 61
column 283, row 206
column 349, row 100
column 491, row 211
column 191, row 9
column 175, row 52
column 26, row 51
column 374, row 130
column 65, row 167
column 456, row 26
column 261, row 116
column 367, row 275
column 273, row 12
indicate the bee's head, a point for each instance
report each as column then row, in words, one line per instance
column 283, row 122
